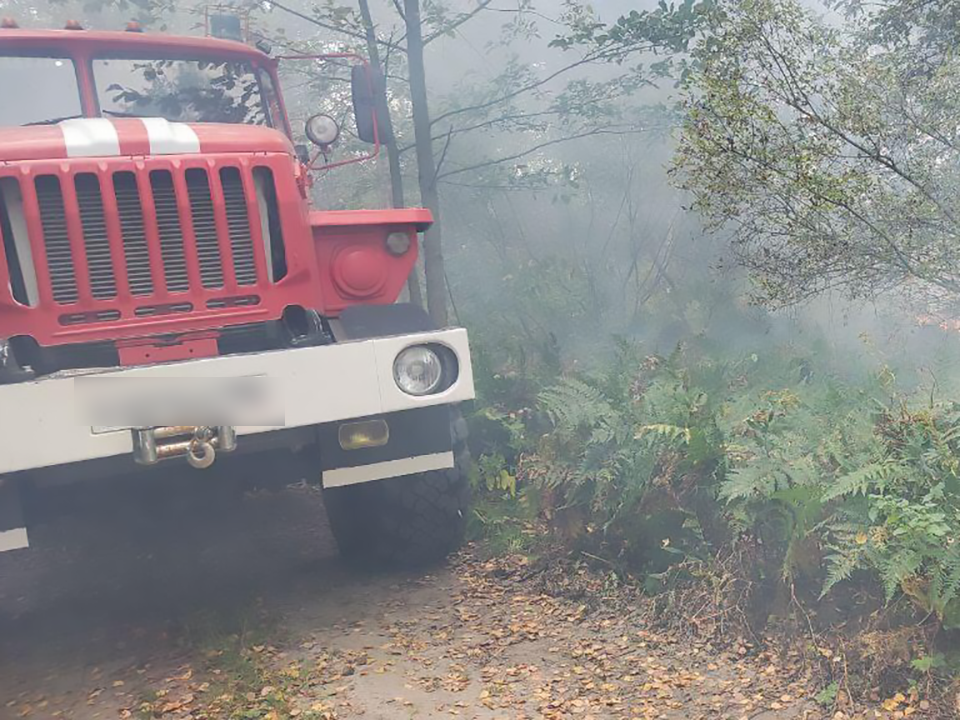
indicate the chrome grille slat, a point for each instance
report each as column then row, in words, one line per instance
column 63, row 279
column 103, row 284
column 238, row 222
column 171, row 233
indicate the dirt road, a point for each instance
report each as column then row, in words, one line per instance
column 141, row 612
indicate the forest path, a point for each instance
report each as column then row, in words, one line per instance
column 249, row 614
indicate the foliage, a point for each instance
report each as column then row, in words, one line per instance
column 828, row 695
column 831, row 481
column 901, row 514
column 830, row 154
column 629, row 451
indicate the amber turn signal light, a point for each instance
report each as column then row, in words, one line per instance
column 363, row 434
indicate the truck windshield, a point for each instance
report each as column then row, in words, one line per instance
column 183, row 90
column 37, row 90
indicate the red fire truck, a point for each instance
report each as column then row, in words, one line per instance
column 161, row 265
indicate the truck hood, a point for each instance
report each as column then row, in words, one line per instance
column 108, row 137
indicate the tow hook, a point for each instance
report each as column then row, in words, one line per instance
column 197, row 443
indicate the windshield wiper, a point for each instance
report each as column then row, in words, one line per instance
column 122, row 114
column 52, row 121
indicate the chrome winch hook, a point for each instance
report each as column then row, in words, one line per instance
column 201, row 452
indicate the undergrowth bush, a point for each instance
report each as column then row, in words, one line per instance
column 825, row 483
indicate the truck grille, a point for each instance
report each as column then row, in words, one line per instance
column 177, row 201
column 239, row 224
column 135, row 249
column 56, row 239
column 171, row 233
column 96, row 244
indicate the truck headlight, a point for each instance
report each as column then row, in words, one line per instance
column 418, row 370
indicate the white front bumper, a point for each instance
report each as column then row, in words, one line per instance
column 40, row 425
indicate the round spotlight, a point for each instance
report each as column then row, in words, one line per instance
column 322, row 130
column 418, row 370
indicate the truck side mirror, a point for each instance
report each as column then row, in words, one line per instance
column 364, row 103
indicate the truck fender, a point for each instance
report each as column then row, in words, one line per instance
column 361, row 322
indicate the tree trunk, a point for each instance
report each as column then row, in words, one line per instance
column 426, row 165
column 387, row 137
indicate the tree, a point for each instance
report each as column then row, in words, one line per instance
column 388, row 136
column 831, row 155
column 502, row 130
column 426, row 165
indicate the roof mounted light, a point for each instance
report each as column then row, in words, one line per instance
column 8, row 23
column 134, row 26
column 226, row 26
column 73, row 25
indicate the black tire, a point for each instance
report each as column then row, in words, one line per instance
column 407, row 521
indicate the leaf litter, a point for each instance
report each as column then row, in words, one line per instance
column 484, row 639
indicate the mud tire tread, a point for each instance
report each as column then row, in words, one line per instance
column 409, row 521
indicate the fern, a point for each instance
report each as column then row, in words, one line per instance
column 858, row 481
column 573, row 404
column 945, row 584
column 760, row 479
column 897, row 568
column 840, row 567
column 663, row 431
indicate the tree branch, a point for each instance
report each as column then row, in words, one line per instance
column 443, row 156
column 332, row 28
column 587, row 59
column 535, row 148
column 486, row 123
column 457, row 22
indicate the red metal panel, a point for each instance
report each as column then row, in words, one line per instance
column 126, row 44
column 355, row 267
column 420, row 218
column 147, row 354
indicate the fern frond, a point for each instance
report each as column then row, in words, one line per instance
column 945, row 584
column 663, row 431
column 858, row 481
column 572, row 404
column 760, row 479
column 840, row 567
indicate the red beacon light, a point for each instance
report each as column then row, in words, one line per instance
column 73, row 25
column 134, row 27
column 8, row 23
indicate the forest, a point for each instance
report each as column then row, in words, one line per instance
column 708, row 253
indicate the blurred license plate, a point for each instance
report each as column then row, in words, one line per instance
column 109, row 403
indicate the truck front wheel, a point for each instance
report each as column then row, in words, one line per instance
column 404, row 521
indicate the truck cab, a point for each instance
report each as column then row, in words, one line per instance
column 169, row 301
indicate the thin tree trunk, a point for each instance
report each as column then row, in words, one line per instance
column 387, row 137
column 426, row 165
